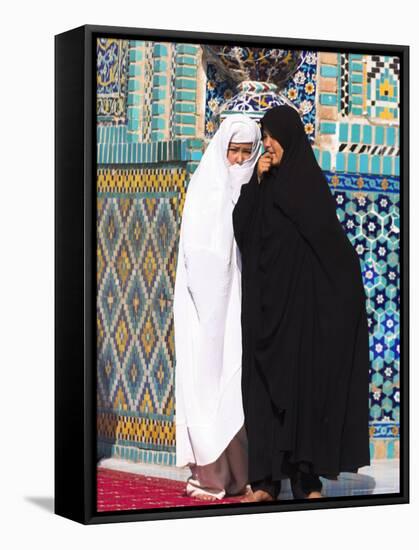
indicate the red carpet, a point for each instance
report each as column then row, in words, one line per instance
column 124, row 491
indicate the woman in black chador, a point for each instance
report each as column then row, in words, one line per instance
column 305, row 337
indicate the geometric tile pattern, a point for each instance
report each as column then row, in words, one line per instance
column 344, row 84
column 137, row 235
column 112, row 63
column 372, row 223
column 300, row 90
column 383, row 83
column 361, row 134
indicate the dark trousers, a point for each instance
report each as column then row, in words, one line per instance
column 302, row 485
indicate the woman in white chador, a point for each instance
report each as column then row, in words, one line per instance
column 210, row 433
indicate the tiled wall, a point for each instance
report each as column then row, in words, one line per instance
column 156, row 110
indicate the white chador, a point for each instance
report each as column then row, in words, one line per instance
column 210, row 435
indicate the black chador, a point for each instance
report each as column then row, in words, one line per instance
column 305, row 335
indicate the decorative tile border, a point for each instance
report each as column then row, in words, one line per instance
column 150, row 152
column 112, row 62
column 114, row 450
column 358, row 162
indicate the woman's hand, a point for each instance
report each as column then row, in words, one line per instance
column 264, row 165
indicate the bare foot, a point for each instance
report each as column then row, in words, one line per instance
column 314, row 494
column 204, row 497
column 257, row 496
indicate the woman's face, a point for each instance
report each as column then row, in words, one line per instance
column 273, row 147
column 237, row 153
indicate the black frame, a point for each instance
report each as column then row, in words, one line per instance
column 75, row 269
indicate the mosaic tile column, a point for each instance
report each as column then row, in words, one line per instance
column 142, row 175
column 357, row 94
column 185, row 105
column 357, row 146
column 139, row 91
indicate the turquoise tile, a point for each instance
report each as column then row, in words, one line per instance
column 356, row 66
column 158, row 108
column 328, row 99
column 183, row 150
column 340, row 162
column 185, row 83
column 134, row 70
column 158, row 94
column 135, row 55
column 160, row 66
column 352, row 162
column 366, row 134
column 183, row 107
column 157, row 136
column 343, row 132
column 183, row 70
column 185, row 96
column 186, row 49
column 356, row 133
column 158, row 123
column 355, row 89
column 133, row 99
column 375, row 164
column 316, row 153
column 195, row 143
column 160, row 50
column 185, row 119
column 326, row 160
column 196, row 155
column 185, row 60
column 356, row 99
column 388, row 166
column 159, row 80
column 133, row 124
column 390, row 136
column 356, row 77
column 390, row 450
column 327, row 127
column 379, row 135
column 364, row 163
column 329, row 71
column 133, row 85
